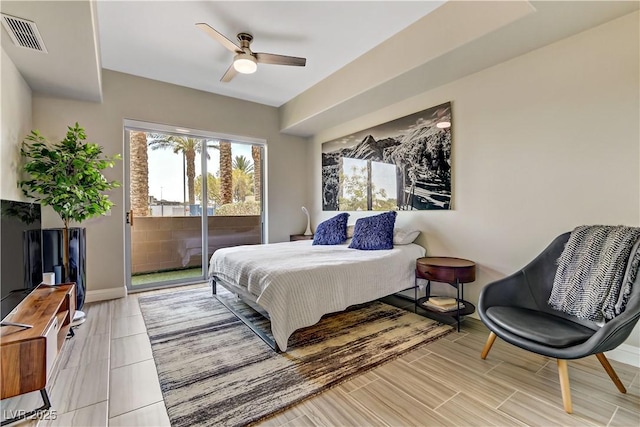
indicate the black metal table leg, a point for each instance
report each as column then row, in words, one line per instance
column 415, row 294
column 47, row 405
column 457, row 285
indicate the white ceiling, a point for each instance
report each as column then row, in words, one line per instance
column 159, row 40
column 71, row 68
column 508, row 36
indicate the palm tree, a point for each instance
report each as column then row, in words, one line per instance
column 181, row 144
column 242, row 178
column 226, row 173
column 257, row 171
column 139, row 174
column 243, row 164
column 242, row 185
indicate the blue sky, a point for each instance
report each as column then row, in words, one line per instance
column 167, row 179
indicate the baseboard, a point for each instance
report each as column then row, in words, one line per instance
column 625, row 353
column 105, row 294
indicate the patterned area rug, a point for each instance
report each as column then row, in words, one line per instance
column 215, row 371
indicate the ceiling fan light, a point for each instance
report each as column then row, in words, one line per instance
column 245, row 63
column 443, row 124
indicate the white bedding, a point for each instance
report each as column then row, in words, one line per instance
column 297, row 283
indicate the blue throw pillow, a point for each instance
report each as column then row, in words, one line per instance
column 374, row 232
column 332, row 231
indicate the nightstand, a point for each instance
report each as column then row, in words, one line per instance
column 295, row 237
column 453, row 271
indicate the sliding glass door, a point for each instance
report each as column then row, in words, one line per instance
column 189, row 194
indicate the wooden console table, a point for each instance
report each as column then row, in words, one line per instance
column 453, row 271
column 295, row 237
column 27, row 355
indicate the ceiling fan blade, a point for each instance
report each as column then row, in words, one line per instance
column 219, row 37
column 229, row 74
column 271, row 58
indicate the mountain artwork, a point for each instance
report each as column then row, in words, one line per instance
column 404, row 164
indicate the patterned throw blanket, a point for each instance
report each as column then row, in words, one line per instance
column 592, row 281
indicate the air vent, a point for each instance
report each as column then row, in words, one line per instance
column 23, row 33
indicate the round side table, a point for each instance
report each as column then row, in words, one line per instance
column 453, row 271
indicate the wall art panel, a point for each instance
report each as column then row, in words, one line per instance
column 404, row 164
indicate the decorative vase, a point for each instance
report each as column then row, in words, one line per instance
column 53, row 258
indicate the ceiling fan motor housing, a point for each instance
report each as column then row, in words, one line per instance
column 245, row 40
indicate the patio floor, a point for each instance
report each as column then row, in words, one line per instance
column 144, row 279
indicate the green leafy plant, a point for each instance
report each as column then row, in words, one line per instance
column 68, row 177
column 239, row 208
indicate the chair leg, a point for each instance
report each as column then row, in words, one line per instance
column 612, row 374
column 487, row 346
column 563, row 373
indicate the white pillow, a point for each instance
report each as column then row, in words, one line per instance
column 403, row 236
column 350, row 229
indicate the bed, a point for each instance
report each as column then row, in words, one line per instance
column 297, row 282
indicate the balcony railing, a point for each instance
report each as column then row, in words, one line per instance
column 175, row 243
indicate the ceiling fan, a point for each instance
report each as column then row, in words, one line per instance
column 245, row 61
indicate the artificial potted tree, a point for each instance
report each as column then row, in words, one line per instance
column 68, row 177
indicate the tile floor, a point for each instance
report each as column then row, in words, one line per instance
column 106, row 376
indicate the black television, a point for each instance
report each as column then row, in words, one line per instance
column 20, row 252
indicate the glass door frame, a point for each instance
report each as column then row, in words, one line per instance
column 136, row 125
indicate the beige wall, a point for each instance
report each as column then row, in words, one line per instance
column 16, row 124
column 129, row 97
column 541, row 143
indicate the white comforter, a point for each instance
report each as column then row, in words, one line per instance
column 297, row 283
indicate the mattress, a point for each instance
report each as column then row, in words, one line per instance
column 297, row 283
